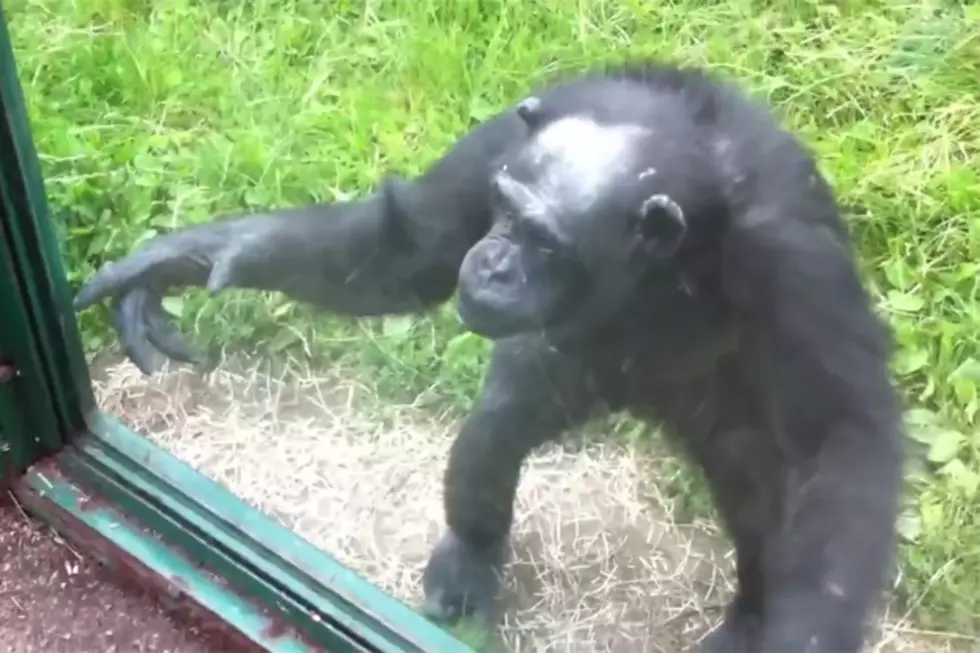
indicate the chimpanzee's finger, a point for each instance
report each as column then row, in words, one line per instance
column 127, row 316
column 223, row 271
column 119, row 276
column 163, row 334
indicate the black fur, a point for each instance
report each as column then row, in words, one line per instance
column 752, row 340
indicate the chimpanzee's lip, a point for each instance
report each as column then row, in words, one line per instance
column 485, row 325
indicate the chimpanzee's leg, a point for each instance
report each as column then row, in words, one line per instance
column 722, row 428
column 742, row 474
column 531, row 394
column 816, row 357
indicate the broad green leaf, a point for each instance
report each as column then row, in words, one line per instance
column 174, row 305
column 907, row 362
column 921, row 416
column 961, row 476
column 910, row 526
column 969, row 370
column 905, row 302
column 458, row 342
column 923, row 434
column 945, row 446
column 397, row 326
column 282, row 309
column 932, row 516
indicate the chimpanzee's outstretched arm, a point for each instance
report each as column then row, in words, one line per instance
column 395, row 251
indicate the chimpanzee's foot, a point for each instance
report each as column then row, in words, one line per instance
column 739, row 633
column 461, row 580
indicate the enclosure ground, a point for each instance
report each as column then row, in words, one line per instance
column 599, row 564
column 54, row 599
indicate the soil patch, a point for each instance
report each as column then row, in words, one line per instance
column 54, row 600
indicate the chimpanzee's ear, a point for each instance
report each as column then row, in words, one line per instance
column 661, row 225
column 531, row 111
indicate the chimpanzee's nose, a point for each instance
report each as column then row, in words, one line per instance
column 496, row 262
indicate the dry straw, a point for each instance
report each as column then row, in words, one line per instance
column 599, row 564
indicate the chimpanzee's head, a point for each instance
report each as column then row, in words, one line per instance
column 582, row 208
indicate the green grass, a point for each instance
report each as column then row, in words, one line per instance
column 153, row 114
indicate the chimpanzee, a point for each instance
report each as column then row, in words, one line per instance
column 639, row 236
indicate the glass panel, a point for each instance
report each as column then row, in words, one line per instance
column 39, row 333
column 155, row 116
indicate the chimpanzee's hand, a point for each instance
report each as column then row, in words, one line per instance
column 216, row 255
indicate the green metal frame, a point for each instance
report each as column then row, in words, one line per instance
column 130, row 503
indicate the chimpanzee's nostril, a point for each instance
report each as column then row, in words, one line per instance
column 496, row 254
column 495, row 264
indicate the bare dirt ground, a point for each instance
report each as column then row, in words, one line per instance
column 55, row 600
column 600, row 565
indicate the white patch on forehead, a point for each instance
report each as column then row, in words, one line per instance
column 531, row 203
column 574, row 160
